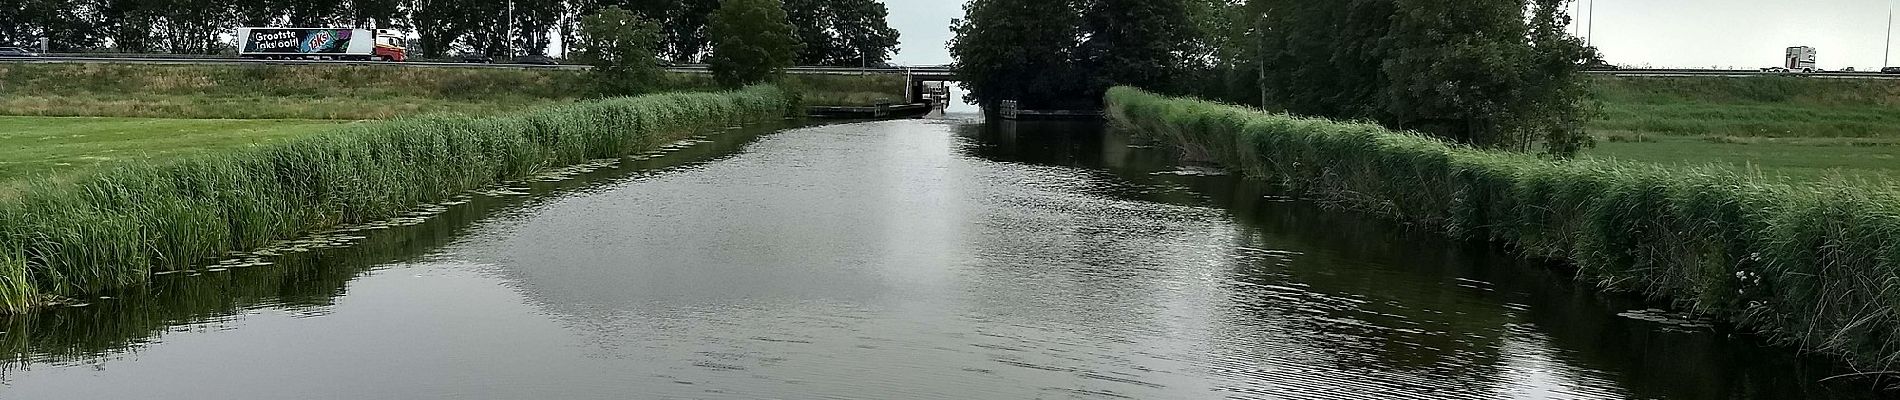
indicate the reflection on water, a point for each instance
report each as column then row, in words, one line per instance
column 900, row 259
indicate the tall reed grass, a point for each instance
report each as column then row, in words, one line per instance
column 1817, row 266
column 116, row 227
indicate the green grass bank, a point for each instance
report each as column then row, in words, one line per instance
column 1782, row 107
column 39, row 146
column 1784, row 128
column 1817, row 265
column 113, row 227
column 345, row 92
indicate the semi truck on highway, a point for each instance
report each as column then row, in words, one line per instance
column 1799, row 59
column 321, row 44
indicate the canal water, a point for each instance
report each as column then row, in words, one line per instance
column 935, row 258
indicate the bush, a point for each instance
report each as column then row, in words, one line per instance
column 116, row 227
column 1818, row 266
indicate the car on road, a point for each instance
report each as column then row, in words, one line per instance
column 1601, row 67
column 16, row 52
column 474, row 58
column 1890, row 70
column 535, row 60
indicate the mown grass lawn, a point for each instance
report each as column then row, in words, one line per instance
column 1783, row 128
column 35, row 146
column 1789, row 159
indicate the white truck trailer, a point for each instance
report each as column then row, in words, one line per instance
column 321, row 44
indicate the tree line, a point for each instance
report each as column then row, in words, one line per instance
column 834, row 32
column 1489, row 73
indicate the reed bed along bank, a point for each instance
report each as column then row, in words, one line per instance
column 1817, row 266
column 116, row 227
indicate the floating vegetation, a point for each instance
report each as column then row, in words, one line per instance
column 120, row 226
column 1675, row 319
column 1194, row 171
column 561, row 174
column 502, row 192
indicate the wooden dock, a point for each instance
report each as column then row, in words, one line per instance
column 877, row 111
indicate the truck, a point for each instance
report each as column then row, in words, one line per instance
column 321, row 44
column 1799, row 59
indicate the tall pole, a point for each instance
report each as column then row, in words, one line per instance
column 1576, row 15
column 1590, row 33
column 1886, row 53
column 507, row 38
column 1260, row 43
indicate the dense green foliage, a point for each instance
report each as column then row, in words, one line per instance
column 1493, row 73
column 752, row 41
column 1020, row 50
column 1812, row 265
column 853, row 30
column 619, row 45
column 1066, row 53
column 114, row 227
column 846, row 33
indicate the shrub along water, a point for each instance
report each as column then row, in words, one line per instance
column 116, row 227
column 1817, row 266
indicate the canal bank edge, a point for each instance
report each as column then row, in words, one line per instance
column 1817, row 266
column 116, row 227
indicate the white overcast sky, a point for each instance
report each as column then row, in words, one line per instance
column 1743, row 34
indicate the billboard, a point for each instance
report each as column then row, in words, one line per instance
column 307, row 41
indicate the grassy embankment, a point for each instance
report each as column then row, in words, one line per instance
column 115, row 226
column 1812, row 264
column 343, row 92
column 1800, row 129
column 165, row 111
column 38, row 146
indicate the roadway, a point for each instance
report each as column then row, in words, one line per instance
column 919, row 73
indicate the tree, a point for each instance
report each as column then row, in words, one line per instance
column 1490, row 73
column 751, row 40
column 1019, row 50
column 1136, row 42
column 854, row 31
column 1558, row 95
column 842, row 32
column 620, row 46
column 533, row 20
column 686, row 29
column 64, row 23
column 194, row 26
column 864, row 33
column 1046, row 54
column 811, row 22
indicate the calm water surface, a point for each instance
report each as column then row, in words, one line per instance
column 902, row 259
